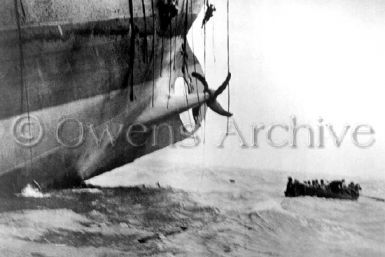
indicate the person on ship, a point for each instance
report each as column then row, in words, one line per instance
column 323, row 186
column 209, row 13
column 289, row 187
column 336, row 186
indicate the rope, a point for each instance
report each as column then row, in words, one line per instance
column 175, row 43
column 145, row 32
column 153, row 52
column 161, row 57
column 184, row 45
column 228, row 35
column 228, row 62
column 193, row 50
column 170, row 67
column 204, row 37
column 188, row 112
column 378, row 199
column 185, row 69
column 205, row 2
column 132, row 48
column 213, row 42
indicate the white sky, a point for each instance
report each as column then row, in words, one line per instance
column 308, row 58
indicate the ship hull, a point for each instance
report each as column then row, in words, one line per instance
column 76, row 74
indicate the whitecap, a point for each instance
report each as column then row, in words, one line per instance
column 32, row 192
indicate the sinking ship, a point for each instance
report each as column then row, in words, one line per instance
column 87, row 86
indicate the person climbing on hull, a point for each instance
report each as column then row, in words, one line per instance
column 209, row 13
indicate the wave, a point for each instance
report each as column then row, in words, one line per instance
column 211, row 211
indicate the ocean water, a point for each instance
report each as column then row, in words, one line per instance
column 176, row 210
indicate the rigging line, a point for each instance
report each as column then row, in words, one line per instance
column 132, row 48
column 23, row 88
column 145, row 33
column 228, row 63
column 178, row 32
column 153, row 52
column 185, row 31
column 205, row 3
column 178, row 20
column 175, row 39
column 188, row 112
column 162, row 57
column 228, row 35
column 204, row 37
column 170, row 66
column 213, row 38
column 184, row 52
column 184, row 46
column 186, row 85
column 204, row 157
column 193, row 51
column 203, row 118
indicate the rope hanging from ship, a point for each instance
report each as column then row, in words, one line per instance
column 132, row 49
column 213, row 38
column 184, row 53
column 185, row 58
column 145, row 46
column 197, row 110
column 153, row 52
column 170, row 66
column 185, row 69
column 228, row 63
column 206, row 10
